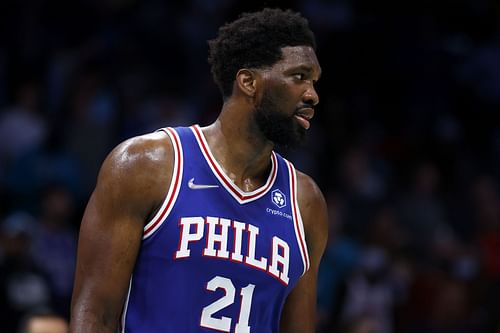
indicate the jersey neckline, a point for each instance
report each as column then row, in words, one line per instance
column 237, row 193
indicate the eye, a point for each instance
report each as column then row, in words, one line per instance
column 299, row 76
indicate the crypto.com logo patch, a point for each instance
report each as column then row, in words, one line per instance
column 278, row 198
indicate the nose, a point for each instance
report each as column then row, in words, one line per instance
column 310, row 96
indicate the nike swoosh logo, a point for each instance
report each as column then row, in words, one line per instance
column 194, row 186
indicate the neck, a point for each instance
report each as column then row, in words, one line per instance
column 239, row 146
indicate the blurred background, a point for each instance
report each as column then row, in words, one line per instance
column 405, row 144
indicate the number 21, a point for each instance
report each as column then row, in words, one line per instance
column 224, row 323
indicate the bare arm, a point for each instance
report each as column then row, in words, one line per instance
column 132, row 182
column 300, row 307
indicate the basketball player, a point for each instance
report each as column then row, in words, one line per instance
column 203, row 229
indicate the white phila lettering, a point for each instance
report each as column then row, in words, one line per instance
column 238, row 234
column 213, row 237
column 186, row 236
column 281, row 259
column 218, row 237
column 250, row 258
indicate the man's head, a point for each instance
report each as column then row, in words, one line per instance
column 269, row 56
column 255, row 40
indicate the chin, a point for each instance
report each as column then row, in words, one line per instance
column 283, row 130
column 290, row 139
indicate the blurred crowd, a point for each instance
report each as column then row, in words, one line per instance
column 405, row 144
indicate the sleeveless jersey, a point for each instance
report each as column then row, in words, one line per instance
column 216, row 258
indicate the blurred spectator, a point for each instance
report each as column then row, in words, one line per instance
column 35, row 170
column 370, row 291
column 92, row 110
column 23, row 286
column 423, row 215
column 54, row 245
column 22, row 126
column 43, row 321
column 339, row 261
column 486, row 203
column 486, row 207
column 363, row 185
column 448, row 309
column 362, row 324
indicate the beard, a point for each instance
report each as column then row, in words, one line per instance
column 277, row 126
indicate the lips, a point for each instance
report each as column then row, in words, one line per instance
column 303, row 116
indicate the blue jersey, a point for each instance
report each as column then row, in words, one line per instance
column 216, row 258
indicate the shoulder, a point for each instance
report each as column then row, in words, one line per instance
column 141, row 149
column 308, row 191
column 138, row 171
column 139, row 154
column 313, row 210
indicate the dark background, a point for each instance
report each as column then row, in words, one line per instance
column 405, row 144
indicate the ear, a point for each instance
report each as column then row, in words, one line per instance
column 246, row 81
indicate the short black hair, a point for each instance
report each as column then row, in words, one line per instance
column 255, row 40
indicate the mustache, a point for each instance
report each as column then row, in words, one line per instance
column 305, row 106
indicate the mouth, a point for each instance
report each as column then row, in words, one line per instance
column 304, row 116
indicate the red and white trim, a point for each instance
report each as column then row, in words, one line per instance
column 297, row 218
column 241, row 196
column 174, row 188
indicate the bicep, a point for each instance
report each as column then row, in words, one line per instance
column 108, row 245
